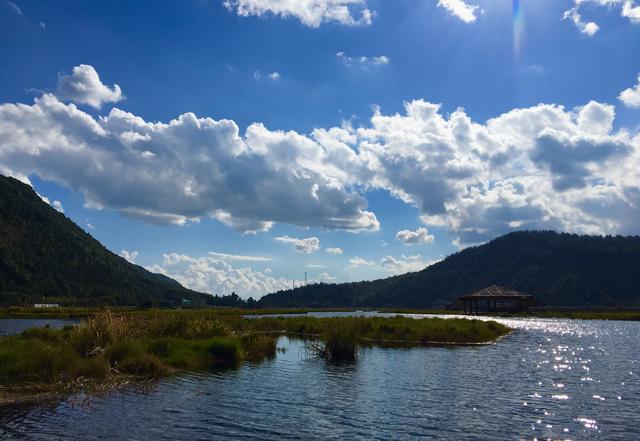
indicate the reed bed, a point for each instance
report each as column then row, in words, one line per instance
column 110, row 346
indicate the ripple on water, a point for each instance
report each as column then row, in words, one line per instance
column 550, row 378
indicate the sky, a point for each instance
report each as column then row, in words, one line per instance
column 236, row 145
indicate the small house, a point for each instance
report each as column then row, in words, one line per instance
column 497, row 299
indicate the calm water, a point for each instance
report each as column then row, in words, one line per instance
column 15, row 326
column 558, row 379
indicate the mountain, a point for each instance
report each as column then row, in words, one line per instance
column 44, row 255
column 559, row 269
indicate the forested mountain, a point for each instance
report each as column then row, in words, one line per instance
column 44, row 255
column 558, row 269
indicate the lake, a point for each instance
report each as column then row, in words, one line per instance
column 550, row 378
column 15, row 326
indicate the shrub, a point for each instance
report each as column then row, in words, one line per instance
column 257, row 347
column 45, row 333
column 145, row 365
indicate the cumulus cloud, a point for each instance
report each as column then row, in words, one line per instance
column 214, row 275
column 333, row 250
column 327, row 278
column 628, row 9
column 405, row 264
column 362, row 61
column 631, row 11
column 460, row 9
column 312, row 13
column 58, row 206
column 55, row 204
column 186, row 169
column 129, row 256
column 589, row 28
column 306, row 246
column 631, row 97
column 420, row 236
column 359, row 261
column 542, row 167
column 83, row 86
column 482, row 180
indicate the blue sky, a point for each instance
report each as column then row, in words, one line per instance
column 251, row 140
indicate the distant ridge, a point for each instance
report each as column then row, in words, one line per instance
column 43, row 254
column 559, row 269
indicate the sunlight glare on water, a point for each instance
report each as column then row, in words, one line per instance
column 549, row 379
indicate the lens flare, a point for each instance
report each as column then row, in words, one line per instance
column 518, row 28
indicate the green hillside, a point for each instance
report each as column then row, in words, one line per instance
column 558, row 269
column 44, row 255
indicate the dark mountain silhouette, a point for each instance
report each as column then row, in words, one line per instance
column 558, row 269
column 43, row 254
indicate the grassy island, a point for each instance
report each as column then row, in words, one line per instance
column 110, row 348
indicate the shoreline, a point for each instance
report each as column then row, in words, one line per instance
column 79, row 313
column 111, row 349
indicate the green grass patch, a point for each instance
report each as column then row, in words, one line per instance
column 108, row 346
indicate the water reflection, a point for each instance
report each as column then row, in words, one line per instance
column 558, row 379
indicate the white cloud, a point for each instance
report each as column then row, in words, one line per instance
column 542, row 167
column 55, row 204
column 420, row 236
column 307, row 246
column 631, row 11
column 129, row 256
column 589, row 28
column 83, row 86
column 359, row 261
column 333, row 250
column 90, row 226
column 628, row 9
column 14, row 7
column 238, row 257
column 58, row 206
column 217, row 276
column 631, row 96
column 405, row 264
column 312, row 13
column 362, row 61
column 315, row 266
column 327, row 278
column 273, row 76
column 460, row 9
column 186, row 169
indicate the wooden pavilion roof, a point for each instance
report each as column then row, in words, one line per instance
column 497, row 291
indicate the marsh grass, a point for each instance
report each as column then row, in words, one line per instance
column 341, row 339
column 384, row 329
column 340, row 343
column 108, row 346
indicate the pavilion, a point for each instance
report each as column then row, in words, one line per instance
column 497, row 299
